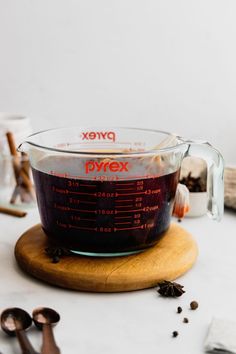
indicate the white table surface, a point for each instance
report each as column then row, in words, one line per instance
column 136, row 322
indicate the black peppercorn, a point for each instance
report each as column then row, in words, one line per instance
column 185, row 320
column 179, row 309
column 55, row 253
column 194, row 184
column 193, row 305
column 55, row 259
column 175, row 334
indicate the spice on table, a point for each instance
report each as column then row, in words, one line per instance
column 55, row 253
column 170, row 289
column 194, row 184
column 175, row 334
column 12, row 212
column 193, row 305
column 185, row 320
column 179, row 309
column 179, row 220
column 55, row 259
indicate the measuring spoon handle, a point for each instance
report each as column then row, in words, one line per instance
column 24, row 342
column 49, row 345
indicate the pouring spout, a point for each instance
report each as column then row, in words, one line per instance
column 23, row 147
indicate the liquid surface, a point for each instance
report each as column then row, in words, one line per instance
column 105, row 216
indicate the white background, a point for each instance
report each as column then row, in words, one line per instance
column 168, row 65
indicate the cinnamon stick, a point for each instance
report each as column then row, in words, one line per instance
column 25, row 175
column 14, row 194
column 11, row 143
column 13, row 212
column 21, row 172
column 25, row 163
column 25, row 179
column 13, row 151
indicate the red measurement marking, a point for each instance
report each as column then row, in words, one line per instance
column 87, row 185
column 123, row 217
column 145, row 209
column 77, row 218
column 137, row 177
column 105, row 194
column 135, row 193
column 112, row 178
column 128, row 211
column 67, row 175
column 83, row 228
column 124, row 189
column 59, row 190
column 105, row 178
column 152, row 191
column 123, row 223
column 129, row 228
column 78, row 177
column 80, row 193
column 106, row 211
column 127, row 184
column 83, row 210
column 66, row 191
column 61, row 207
column 58, row 174
column 124, row 206
column 124, row 200
column 148, row 191
column 151, row 208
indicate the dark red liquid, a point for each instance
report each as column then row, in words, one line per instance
column 103, row 216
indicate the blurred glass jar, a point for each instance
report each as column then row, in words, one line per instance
column 194, row 177
column 18, row 125
column 16, row 186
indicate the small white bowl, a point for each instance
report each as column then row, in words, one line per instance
column 198, row 204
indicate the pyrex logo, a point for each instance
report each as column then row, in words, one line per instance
column 98, row 135
column 110, row 166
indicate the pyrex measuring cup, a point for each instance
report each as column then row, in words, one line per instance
column 110, row 191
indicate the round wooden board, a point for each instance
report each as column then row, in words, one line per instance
column 175, row 253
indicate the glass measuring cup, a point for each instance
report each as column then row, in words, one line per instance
column 110, row 191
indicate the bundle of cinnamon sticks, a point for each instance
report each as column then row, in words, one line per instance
column 24, row 188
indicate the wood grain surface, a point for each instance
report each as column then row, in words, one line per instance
column 175, row 254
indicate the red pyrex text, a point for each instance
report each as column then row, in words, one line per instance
column 99, row 136
column 110, row 166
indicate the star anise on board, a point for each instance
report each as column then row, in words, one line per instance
column 55, row 253
column 170, row 289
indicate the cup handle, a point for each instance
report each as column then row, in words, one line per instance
column 215, row 175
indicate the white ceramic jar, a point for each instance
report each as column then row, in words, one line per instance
column 17, row 124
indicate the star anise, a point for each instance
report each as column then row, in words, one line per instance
column 55, row 253
column 170, row 289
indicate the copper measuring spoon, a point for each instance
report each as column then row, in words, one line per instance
column 44, row 318
column 14, row 321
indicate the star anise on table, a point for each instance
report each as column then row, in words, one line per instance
column 170, row 289
column 55, row 253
